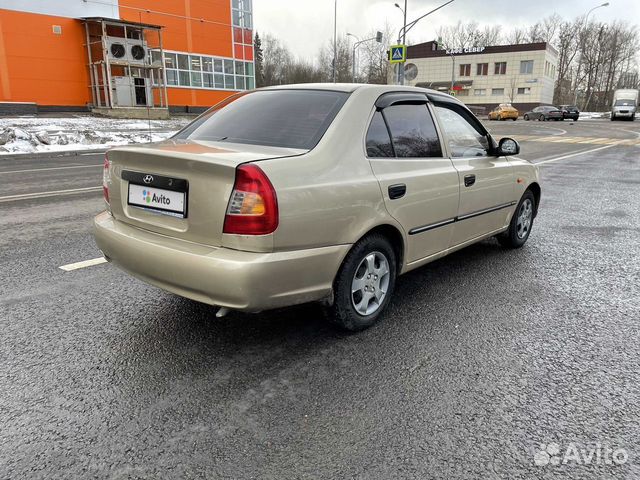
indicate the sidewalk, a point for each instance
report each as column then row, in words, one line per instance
column 64, row 132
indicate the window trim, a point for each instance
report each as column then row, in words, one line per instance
column 438, row 100
column 407, row 100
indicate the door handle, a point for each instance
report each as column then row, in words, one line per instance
column 397, row 191
column 469, row 180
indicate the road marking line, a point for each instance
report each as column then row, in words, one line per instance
column 564, row 157
column 50, row 168
column 29, row 196
column 84, row 264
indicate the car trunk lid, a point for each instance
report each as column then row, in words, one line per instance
column 180, row 188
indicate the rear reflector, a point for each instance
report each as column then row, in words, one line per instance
column 106, row 171
column 253, row 206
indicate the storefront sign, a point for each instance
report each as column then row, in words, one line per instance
column 458, row 51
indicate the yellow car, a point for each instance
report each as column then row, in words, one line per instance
column 504, row 111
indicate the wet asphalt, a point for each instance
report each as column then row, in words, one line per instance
column 480, row 358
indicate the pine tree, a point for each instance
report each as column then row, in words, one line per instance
column 258, row 56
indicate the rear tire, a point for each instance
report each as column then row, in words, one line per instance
column 521, row 223
column 526, row 118
column 364, row 284
column 542, row 118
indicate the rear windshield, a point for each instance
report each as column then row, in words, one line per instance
column 278, row 118
column 625, row 103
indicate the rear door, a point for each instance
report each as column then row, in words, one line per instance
column 486, row 182
column 419, row 184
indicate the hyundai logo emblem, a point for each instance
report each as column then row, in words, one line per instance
column 147, row 179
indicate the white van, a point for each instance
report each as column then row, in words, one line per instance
column 625, row 104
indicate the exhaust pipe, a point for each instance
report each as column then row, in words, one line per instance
column 222, row 312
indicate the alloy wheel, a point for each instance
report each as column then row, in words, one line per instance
column 525, row 217
column 370, row 283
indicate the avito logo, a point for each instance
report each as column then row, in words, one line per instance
column 149, row 197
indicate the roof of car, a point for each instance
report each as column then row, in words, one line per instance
column 347, row 87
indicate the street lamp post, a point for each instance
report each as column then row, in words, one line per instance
column 353, row 56
column 584, row 25
column 408, row 26
column 377, row 38
column 335, row 38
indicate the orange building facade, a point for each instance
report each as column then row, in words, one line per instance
column 207, row 49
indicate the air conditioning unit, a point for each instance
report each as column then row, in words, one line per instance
column 138, row 51
column 117, row 50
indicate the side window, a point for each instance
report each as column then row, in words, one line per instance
column 378, row 141
column 413, row 131
column 464, row 140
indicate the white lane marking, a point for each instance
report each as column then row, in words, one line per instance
column 29, row 196
column 84, row 264
column 571, row 155
column 98, row 152
column 47, row 169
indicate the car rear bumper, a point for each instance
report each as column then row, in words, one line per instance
column 224, row 277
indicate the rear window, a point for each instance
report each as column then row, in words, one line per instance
column 278, row 118
column 625, row 103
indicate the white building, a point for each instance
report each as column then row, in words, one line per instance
column 483, row 77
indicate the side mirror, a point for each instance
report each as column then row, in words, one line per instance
column 508, row 147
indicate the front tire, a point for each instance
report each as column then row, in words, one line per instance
column 364, row 284
column 526, row 118
column 521, row 223
column 542, row 118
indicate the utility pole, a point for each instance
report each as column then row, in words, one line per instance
column 335, row 38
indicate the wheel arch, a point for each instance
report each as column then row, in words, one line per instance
column 537, row 194
column 395, row 237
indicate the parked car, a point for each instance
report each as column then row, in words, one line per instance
column 325, row 192
column 544, row 113
column 570, row 112
column 504, row 111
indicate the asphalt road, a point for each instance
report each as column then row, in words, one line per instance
column 481, row 357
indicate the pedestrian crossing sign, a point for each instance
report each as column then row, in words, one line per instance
column 398, row 54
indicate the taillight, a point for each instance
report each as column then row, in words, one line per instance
column 106, row 171
column 253, row 206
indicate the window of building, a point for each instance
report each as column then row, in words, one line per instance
column 500, row 68
column 465, row 70
column 482, row 69
column 208, row 72
column 413, row 131
column 526, row 67
column 497, row 91
column 524, row 90
column 378, row 140
column 464, row 139
column 462, row 93
column 480, row 92
column 242, row 13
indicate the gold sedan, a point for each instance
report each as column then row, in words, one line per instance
column 305, row 193
column 504, row 111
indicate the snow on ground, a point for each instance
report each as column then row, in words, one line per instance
column 28, row 134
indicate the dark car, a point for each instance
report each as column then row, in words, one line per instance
column 544, row 113
column 570, row 112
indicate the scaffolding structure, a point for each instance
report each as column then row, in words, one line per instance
column 126, row 65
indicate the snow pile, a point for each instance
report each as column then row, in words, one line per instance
column 80, row 132
column 588, row 115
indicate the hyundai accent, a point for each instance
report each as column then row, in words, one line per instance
column 302, row 193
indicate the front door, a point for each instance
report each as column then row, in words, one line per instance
column 419, row 185
column 486, row 182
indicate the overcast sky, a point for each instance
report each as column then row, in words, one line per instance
column 305, row 25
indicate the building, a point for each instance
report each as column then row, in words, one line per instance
column 123, row 55
column 485, row 76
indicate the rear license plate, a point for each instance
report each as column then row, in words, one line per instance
column 158, row 199
column 163, row 195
